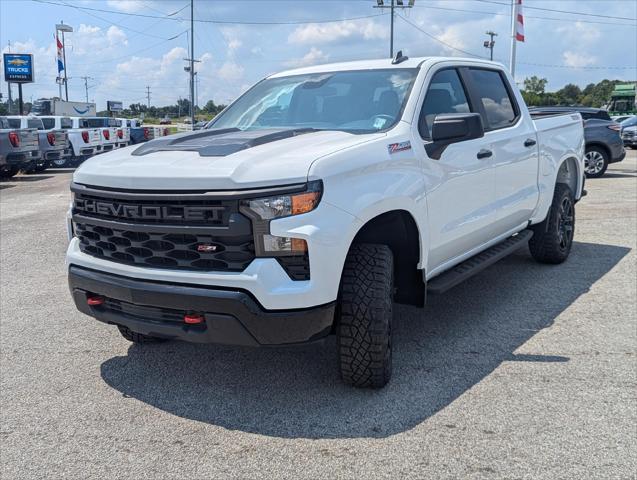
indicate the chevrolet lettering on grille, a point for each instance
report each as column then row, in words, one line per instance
column 150, row 212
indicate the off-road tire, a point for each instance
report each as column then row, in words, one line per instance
column 364, row 317
column 597, row 152
column 9, row 171
column 552, row 239
column 138, row 338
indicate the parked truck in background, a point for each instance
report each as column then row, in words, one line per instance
column 623, row 100
column 123, row 132
column 53, row 144
column 316, row 200
column 108, row 130
column 138, row 132
column 19, row 148
column 58, row 107
column 83, row 142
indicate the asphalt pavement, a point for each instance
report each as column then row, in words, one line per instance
column 524, row 371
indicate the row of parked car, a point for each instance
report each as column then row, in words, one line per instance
column 33, row 144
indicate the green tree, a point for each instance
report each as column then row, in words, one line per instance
column 570, row 94
column 535, row 85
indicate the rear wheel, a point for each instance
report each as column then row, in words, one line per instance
column 138, row 338
column 595, row 162
column 8, row 171
column 552, row 239
column 365, row 316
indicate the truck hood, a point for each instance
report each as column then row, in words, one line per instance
column 216, row 160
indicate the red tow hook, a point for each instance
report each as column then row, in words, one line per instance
column 95, row 300
column 194, row 318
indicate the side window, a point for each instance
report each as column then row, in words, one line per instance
column 35, row 123
column 500, row 108
column 445, row 95
column 14, row 123
column 49, row 123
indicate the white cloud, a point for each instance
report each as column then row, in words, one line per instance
column 313, row 57
column 335, row 32
column 128, row 6
column 574, row 59
column 230, row 71
column 116, row 36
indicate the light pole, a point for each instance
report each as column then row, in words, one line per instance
column 393, row 5
column 490, row 43
column 62, row 27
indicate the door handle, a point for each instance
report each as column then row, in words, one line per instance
column 484, row 153
column 529, row 142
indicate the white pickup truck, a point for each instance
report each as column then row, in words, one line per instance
column 316, row 200
column 108, row 131
column 83, row 142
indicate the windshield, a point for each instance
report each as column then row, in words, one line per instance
column 629, row 122
column 356, row 101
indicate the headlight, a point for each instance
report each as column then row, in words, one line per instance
column 286, row 205
column 264, row 210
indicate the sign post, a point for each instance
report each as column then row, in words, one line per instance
column 18, row 68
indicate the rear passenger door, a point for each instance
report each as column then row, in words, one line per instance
column 511, row 138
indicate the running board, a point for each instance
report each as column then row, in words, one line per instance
column 477, row 263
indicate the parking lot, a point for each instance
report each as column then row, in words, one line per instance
column 524, row 371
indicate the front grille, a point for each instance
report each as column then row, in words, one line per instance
column 166, row 250
column 164, row 233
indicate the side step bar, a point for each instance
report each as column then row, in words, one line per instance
column 477, row 263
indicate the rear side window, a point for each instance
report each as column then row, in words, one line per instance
column 48, row 123
column 14, row 122
column 499, row 107
column 35, row 123
column 66, row 122
column 93, row 123
column 444, row 95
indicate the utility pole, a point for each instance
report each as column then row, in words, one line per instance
column 192, row 63
column 392, row 6
column 148, row 94
column 86, row 79
column 490, row 43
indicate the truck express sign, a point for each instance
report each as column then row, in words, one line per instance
column 18, row 67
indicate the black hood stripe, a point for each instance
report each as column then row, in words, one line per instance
column 218, row 143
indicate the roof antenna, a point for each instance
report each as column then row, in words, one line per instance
column 399, row 58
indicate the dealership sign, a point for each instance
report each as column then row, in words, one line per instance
column 18, row 67
column 113, row 106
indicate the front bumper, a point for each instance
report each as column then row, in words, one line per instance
column 232, row 317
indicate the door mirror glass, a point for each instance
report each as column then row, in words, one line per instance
column 451, row 128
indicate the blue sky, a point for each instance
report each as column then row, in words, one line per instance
column 123, row 53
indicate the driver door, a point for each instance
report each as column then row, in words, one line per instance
column 461, row 186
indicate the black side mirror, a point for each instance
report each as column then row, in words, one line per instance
column 451, row 128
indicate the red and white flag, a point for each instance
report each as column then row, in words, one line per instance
column 519, row 21
column 60, row 54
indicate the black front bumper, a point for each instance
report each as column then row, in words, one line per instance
column 232, row 317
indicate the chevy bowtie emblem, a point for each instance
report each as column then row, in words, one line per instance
column 206, row 248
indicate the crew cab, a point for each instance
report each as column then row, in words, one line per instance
column 83, row 142
column 108, row 131
column 19, row 148
column 138, row 132
column 123, row 132
column 317, row 199
column 53, row 144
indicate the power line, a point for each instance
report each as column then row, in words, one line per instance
column 483, row 12
column 220, row 22
column 521, row 63
column 527, row 7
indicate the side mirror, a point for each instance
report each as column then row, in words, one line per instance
column 451, row 128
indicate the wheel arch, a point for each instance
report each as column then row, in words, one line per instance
column 570, row 173
column 398, row 230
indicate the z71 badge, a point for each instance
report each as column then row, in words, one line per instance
column 399, row 147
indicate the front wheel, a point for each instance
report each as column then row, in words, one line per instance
column 595, row 162
column 552, row 239
column 364, row 317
